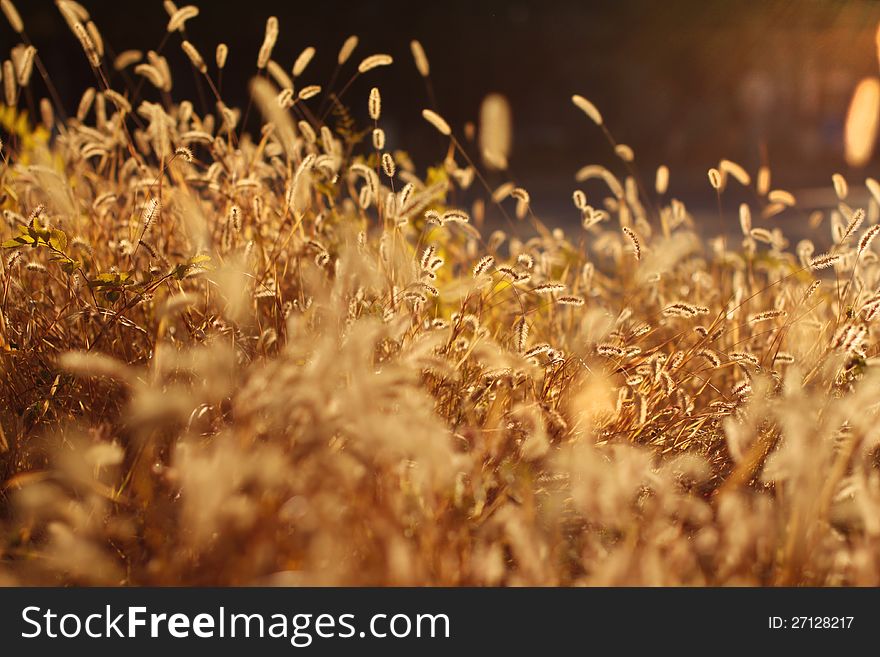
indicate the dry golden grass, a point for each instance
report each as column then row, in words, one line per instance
column 287, row 358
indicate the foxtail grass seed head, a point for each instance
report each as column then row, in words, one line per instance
column 375, row 104
column 634, row 240
column 26, row 66
column 455, row 216
column 151, row 73
column 221, row 55
column 374, row 61
column 520, row 194
column 119, row 100
column 782, row 197
column 841, row 189
column 502, row 191
column 47, row 113
column 346, row 50
column 587, row 108
column 772, row 209
column 12, row 16
column 378, row 139
column 427, row 256
column 194, row 56
column 365, row 197
column 762, row 186
column 549, row 288
column 302, row 61
column 85, row 103
column 762, row 235
column 711, row 357
column 10, row 87
column 96, row 37
column 624, row 152
column 235, row 218
column 521, row 330
column 735, row 171
column 742, row 389
column 437, row 121
column 661, row 179
column 596, row 171
column 743, row 357
column 87, row 44
column 537, row 350
column 860, row 128
column 496, row 131
column 277, row 72
column 309, row 92
column 715, row 179
column 405, row 194
column 868, row 238
column 682, row 309
column 127, row 58
column 285, row 99
column 483, row 266
column 74, row 11
column 178, row 20
column 151, row 211
column 308, row 132
column 745, row 219
column 420, row 58
column 824, row 261
column 609, row 351
column 388, row 165
column 767, row 314
column 853, row 225
column 270, row 38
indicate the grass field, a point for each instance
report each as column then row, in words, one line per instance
column 294, row 356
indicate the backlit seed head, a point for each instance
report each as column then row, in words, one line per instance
column 375, row 104
column 437, row 121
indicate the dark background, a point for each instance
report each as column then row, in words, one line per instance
column 683, row 82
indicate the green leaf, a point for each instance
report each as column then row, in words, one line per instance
column 38, row 233
column 16, row 242
column 111, row 280
column 69, row 266
column 58, row 240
